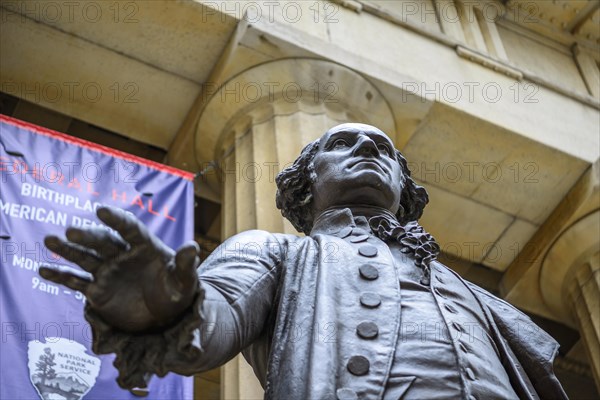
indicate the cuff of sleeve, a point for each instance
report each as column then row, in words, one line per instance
column 139, row 356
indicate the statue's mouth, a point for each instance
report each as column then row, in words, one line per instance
column 368, row 161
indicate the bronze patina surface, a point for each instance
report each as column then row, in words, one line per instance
column 357, row 308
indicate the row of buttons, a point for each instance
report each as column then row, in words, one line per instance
column 359, row 365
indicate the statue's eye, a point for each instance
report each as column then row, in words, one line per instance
column 339, row 143
column 385, row 149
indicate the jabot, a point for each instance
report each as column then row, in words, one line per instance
column 411, row 237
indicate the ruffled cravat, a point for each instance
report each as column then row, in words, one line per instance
column 412, row 239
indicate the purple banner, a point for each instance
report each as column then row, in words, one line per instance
column 50, row 181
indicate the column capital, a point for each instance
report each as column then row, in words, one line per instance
column 283, row 87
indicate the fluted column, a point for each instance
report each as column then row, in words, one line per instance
column 570, row 281
column 270, row 138
column 256, row 125
column 584, row 299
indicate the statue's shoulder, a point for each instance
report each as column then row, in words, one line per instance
column 493, row 302
column 285, row 249
column 264, row 239
column 259, row 234
column 253, row 235
column 251, row 246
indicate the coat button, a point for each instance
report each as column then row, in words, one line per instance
column 368, row 272
column 370, row 299
column 359, row 231
column 463, row 347
column 346, row 394
column 358, row 239
column 367, row 250
column 358, row 365
column 345, row 232
column 437, row 291
column 367, row 330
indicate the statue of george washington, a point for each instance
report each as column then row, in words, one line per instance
column 357, row 308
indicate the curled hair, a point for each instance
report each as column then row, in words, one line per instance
column 413, row 199
column 294, row 196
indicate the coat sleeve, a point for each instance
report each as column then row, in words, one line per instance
column 533, row 348
column 237, row 285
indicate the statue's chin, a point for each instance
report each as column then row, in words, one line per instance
column 363, row 187
column 369, row 197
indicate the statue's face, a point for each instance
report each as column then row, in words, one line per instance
column 356, row 165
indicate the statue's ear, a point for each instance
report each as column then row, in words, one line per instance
column 414, row 198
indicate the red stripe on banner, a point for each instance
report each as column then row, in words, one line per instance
column 97, row 147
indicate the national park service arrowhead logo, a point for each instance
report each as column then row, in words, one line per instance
column 61, row 369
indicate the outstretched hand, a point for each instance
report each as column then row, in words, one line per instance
column 133, row 281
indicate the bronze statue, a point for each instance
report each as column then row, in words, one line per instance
column 357, row 308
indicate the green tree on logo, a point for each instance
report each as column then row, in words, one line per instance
column 44, row 366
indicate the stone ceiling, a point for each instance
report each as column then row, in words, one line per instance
column 559, row 18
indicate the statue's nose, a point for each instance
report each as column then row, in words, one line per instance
column 365, row 146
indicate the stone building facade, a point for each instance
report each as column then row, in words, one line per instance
column 495, row 103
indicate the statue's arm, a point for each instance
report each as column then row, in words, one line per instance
column 149, row 304
column 238, row 281
column 237, row 284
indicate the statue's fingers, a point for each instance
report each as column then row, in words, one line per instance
column 186, row 261
column 101, row 240
column 85, row 258
column 68, row 277
column 129, row 227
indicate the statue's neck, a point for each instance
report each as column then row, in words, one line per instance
column 360, row 210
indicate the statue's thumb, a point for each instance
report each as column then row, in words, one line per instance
column 186, row 260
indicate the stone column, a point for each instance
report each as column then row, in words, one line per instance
column 255, row 125
column 584, row 299
column 569, row 274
